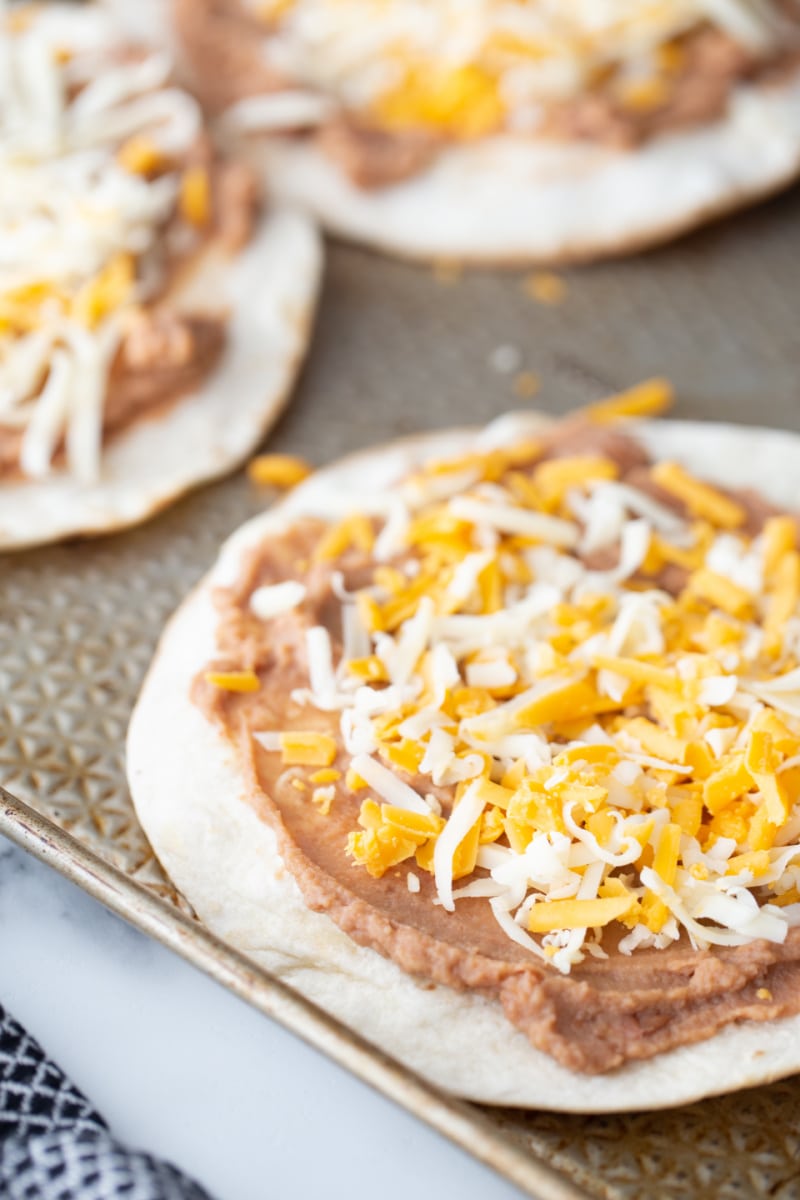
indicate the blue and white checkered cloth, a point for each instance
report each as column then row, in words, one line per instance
column 55, row 1146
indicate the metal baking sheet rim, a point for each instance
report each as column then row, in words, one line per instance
column 454, row 1119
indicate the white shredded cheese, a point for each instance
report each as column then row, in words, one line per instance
column 460, row 822
column 781, row 692
column 390, row 789
column 274, row 599
column 506, row 518
column 491, row 673
column 512, row 930
column 277, row 111
column 269, row 740
column 401, row 654
column 320, row 661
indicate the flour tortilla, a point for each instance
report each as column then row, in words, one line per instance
column 191, row 798
column 270, row 289
column 514, row 199
column 147, row 22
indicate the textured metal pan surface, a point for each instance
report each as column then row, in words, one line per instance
column 398, row 350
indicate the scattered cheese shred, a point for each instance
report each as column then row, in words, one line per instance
column 549, row 915
column 720, row 592
column 647, row 400
column 701, row 499
column 303, row 748
column 665, row 863
column 526, row 384
column 657, row 741
column 195, row 196
column 234, row 681
column 779, row 536
column 355, row 530
column 281, row 471
column 322, row 798
column 140, row 155
column 545, row 288
column 107, row 291
column 726, row 785
column 463, row 820
column 272, row 599
column 326, row 775
column 644, row 95
column 553, row 478
column 387, row 785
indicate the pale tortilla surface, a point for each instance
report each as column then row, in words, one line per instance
column 146, row 21
column 515, row 199
column 269, row 290
column 191, row 798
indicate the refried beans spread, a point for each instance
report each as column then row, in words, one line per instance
column 528, row 723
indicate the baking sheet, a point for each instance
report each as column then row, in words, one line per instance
column 401, row 349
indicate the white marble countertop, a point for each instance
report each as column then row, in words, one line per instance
column 181, row 1067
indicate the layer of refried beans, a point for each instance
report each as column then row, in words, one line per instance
column 609, row 1008
column 686, row 82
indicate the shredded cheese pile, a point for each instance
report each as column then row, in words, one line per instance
column 86, row 133
column 616, row 754
column 469, row 69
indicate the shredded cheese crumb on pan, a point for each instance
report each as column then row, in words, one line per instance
column 281, row 471
column 589, row 754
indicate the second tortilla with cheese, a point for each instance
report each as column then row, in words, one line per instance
column 154, row 306
column 508, row 130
